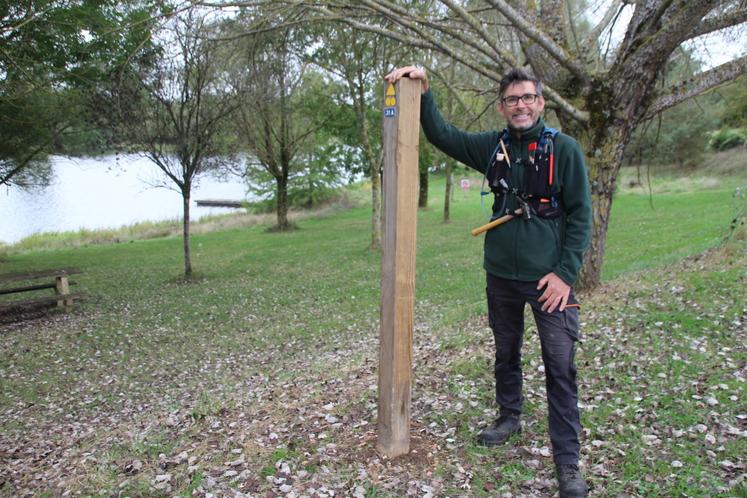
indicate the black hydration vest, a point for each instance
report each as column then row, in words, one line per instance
column 540, row 176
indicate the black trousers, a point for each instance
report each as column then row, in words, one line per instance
column 558, row 333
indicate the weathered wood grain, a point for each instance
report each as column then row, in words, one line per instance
column 400, row 191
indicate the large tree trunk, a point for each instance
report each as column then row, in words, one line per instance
column 591, row 271
column 376, row 205
column 425, row 160
column 604, row 150
column 423, row 189
column 375, row 166
column 282, row 200
column 448, row 190
column 186, row 195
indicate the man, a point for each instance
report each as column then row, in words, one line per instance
column 534, row 258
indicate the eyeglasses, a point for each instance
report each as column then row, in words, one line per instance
column 513, row 100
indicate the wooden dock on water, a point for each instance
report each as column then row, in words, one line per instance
column 220, row 203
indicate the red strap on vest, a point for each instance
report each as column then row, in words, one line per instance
column 552, row 157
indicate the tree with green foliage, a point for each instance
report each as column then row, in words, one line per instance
column 733, row 111
column 358, row 59
column 52, row 54
column 731, row 105
column 284, row 104
column 458, row 107
column 673, row 137
column 318, row 179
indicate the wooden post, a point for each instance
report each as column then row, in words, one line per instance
column 62, row 287
column 400, row 207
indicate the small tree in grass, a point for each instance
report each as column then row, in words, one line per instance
column 176, row 114
column 284, row 108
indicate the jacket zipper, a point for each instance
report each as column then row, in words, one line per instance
column 516, row 227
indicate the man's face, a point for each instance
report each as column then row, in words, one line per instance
column 521, row 116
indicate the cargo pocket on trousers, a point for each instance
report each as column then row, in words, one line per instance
column 570, row 323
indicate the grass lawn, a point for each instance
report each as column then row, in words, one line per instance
column 258, row 376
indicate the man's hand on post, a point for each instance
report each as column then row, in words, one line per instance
column 412, row 72
column 556, row 293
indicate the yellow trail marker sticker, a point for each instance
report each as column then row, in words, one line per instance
column 391, row 99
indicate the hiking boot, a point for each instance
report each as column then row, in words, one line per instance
column 572, row 485
column 503, row 428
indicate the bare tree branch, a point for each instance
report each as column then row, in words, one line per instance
column 717, row 22
column 505, row 59
column 556, row 52
column 286, row 24
column 568, row 108
column 589, row 43
column 671, row 34
column 382, row 7
column 452, row 92
column 571, row 26
column 406, row 40
column 426, row 41
column 697, row 85
column 436, row 44
column 653, row 34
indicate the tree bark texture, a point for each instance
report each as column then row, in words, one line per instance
column 447, row 191
column 375, row 167
column 186, row 197
column 423, row 189
column 376, row 205
column 282, row 198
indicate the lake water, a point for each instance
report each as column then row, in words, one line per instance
column 105, row 192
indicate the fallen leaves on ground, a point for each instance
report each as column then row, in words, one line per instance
column 156, row 417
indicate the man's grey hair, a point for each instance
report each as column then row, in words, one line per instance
column 517, row 76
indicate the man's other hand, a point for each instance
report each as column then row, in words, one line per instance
column 412, row 72
column 556, row 293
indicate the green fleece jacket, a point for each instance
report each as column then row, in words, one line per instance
column 525, row 250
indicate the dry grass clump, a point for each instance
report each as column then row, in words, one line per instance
column 169, row 228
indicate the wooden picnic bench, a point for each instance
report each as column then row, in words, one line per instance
column 56, row 279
